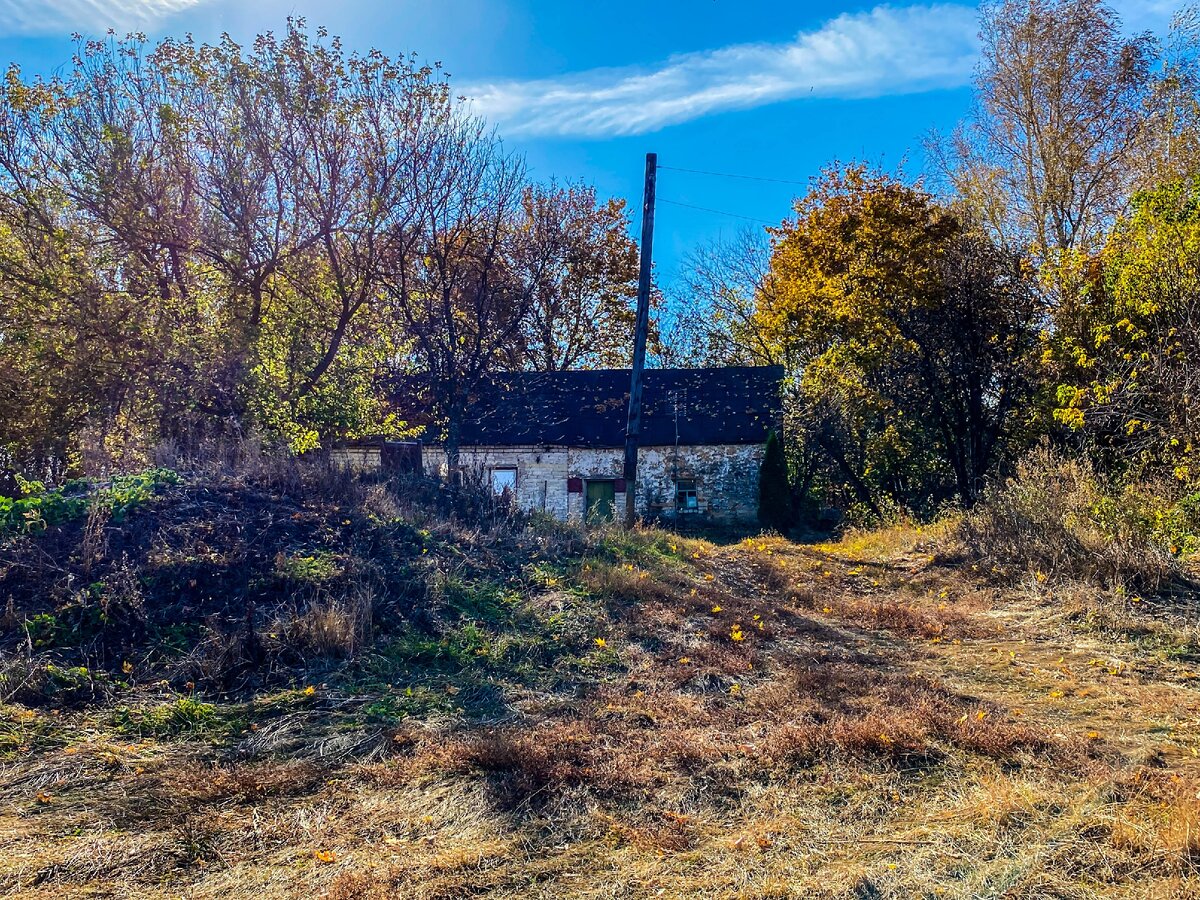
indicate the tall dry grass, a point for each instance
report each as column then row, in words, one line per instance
column 1056, row 519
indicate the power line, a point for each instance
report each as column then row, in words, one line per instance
column 730, row 175
column 719, row 212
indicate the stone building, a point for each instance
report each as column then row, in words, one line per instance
column 556, row 441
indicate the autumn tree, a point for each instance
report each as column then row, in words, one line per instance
column 101, row 305
column 910, row 333
column 582, row 267
column 1127, row 372
column 452, row 281
column 196, row 237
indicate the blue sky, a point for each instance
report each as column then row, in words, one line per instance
column 585, row 89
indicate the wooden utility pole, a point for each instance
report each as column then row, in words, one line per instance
column 634, row 430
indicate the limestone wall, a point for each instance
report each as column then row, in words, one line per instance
column 725, row 477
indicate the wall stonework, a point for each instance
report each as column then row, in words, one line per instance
column 725, row 477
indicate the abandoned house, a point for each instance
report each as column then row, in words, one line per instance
column 555, row 441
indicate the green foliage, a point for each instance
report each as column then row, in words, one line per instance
column 462, row 647
column 125, row 493
column 183, row 716
column 1127, row 344
column 645, row 547
column 774, row 492
column 38, row 512
column 43, row 630
column 314, row 568
column 420, row 701
column 44, row 508
column 482, row 601
column 345, row 403
column 69, row 683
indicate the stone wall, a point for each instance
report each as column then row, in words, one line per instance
column 725, row 477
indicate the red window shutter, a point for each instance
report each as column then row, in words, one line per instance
column 574, row 485
column 619, row 487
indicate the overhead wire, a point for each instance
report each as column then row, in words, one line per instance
column 731, row 175
column 719, row 212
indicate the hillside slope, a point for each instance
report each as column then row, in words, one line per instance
column 293, row 687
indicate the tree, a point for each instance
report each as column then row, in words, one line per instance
column 195, row 238
column 1127, row 372
column 1063, row 119
column 451, row 278
column 774, row 493
column 712, row 320
column 910, row 333
column 583, row 268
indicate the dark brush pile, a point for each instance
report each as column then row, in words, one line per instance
column 235, row 582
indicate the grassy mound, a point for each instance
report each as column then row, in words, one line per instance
column 273, row 687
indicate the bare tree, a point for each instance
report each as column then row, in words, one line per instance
column 451, row 279
column 1049, row 155
column 711, row 321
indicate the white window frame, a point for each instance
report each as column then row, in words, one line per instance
column 684, row 487
column 498, row 488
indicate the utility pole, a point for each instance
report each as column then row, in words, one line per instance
column 634, row 430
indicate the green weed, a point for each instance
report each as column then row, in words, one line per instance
column 183, row 716
column 313, row 568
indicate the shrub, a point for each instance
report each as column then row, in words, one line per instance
column 1055, row 519
column 774, row 494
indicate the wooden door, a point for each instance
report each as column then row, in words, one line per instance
column 601, row 499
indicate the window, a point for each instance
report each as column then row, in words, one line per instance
column 685, row 496
column 504, row 480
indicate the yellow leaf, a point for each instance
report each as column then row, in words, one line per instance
column 325, row 856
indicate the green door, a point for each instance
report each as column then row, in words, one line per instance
column 601, row 497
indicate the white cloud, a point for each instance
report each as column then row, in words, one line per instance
column 92, row 16
column 885, row 51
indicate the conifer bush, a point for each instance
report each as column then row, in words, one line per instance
column 774, row 494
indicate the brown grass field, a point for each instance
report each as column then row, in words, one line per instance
column 868, row 718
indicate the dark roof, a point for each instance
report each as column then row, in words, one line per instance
column 735, row 405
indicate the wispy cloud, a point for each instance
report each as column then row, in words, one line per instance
column 885, row 51
column 62, row 16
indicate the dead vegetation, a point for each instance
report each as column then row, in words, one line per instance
column 394, row 702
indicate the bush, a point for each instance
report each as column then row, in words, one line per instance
column 1055, row 519
column 774, row 494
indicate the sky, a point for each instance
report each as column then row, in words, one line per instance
column 772, row 91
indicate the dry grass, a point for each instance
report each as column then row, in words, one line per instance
column 761, row 720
